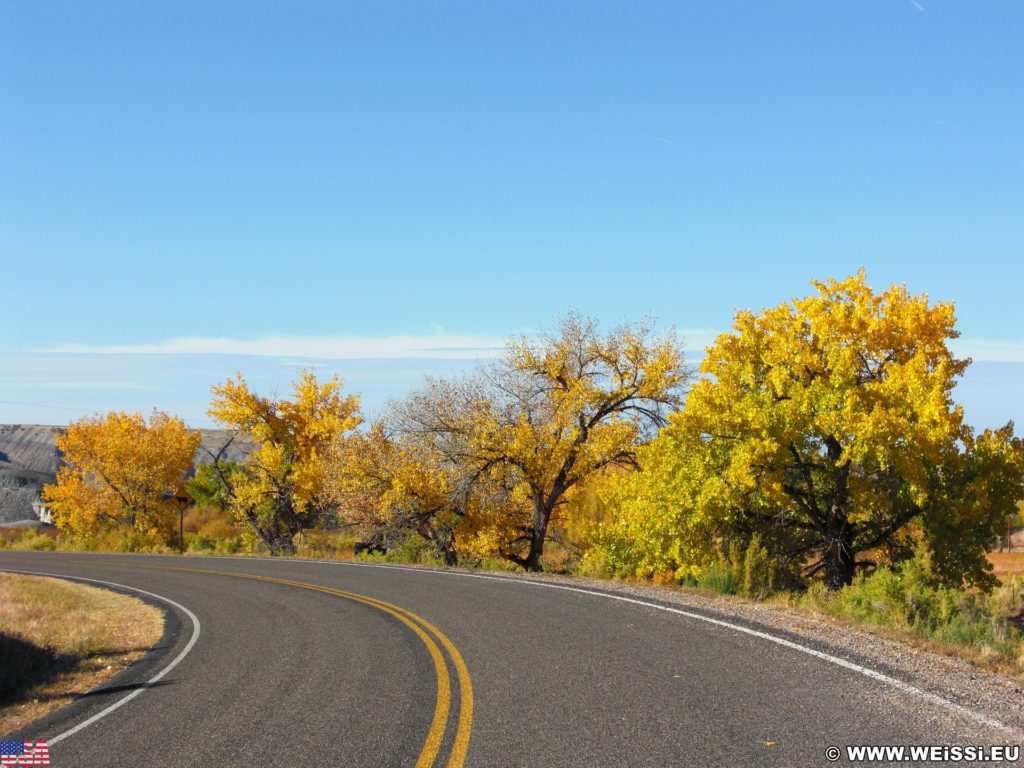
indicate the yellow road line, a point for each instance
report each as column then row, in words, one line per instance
column 432, row 745
column 436, row 733
column 465, row 721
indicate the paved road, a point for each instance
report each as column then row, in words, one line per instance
column 347, row 665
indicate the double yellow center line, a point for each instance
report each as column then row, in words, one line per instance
column 427, row 633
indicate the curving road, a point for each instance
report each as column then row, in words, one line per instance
column 333, row 664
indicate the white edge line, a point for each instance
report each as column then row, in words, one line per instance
column 893, row 682
column 149, row 683
column 837, row 660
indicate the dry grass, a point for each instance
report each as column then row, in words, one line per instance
column 65, row 639
column 1007, row 562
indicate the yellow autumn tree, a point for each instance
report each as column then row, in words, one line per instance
column 120, row 472
column 389, row 487
column 656, row 523
column 281, row 487
column 551, row 413
column 826, row 427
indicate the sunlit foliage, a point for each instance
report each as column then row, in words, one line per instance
column 281, row 486
column 120, row 472
column 826, row 426
column 551, row 413
column 388, row 487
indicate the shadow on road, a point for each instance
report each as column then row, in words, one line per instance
column 119, row 688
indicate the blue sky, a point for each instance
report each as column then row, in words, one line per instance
column 386, row 189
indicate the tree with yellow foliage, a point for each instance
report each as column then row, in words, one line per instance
column 826, row 426
column 388, row 487
column 550, row 414
column 120, row 472
column 281, row 487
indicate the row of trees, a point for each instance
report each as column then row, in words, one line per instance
column 823, row 428
column 485, row 461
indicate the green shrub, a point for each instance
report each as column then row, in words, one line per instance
column 720, row 577
column 594, row 565
column 35, row 539
column 202, row 542
column 909, row 597
column 128, row 540
column 493, row 564
column 412, row 549
column 82, row 543
column 755, row 569
column 229, row 546
column 742, row 569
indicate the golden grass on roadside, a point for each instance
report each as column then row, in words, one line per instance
column 982, row 657
column 75, row 636
column 1006, row 563
column 981, row 628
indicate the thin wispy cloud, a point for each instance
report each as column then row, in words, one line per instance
column 695, row 340
column 989, row 350
column 103, row 386
column 437, row 346
column 57, row 385
column 916, row 5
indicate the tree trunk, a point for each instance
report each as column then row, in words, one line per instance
column 276, row 542
column 840, row 563
column 839, row 558
column 282, row 544
column 447, row 553
column 444, row 544
column 538, row 535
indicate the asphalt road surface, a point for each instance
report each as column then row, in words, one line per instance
column 330, row 664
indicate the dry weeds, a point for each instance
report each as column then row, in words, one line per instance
column 91, row 634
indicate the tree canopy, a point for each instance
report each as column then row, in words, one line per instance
column 821, row 439
column 549, row 414
column 388, row 486
column 120, row 471
column 826, row 426
column 281, row 487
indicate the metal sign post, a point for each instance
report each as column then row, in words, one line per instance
column 182, row 501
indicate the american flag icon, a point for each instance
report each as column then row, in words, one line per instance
column 20, row 753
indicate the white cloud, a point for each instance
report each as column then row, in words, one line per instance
column 989, row 350
column 305, row 351
column 438, row 346
column 695, row 340
column 87, row 384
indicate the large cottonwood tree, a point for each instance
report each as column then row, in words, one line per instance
column 826, row 426
column 387, row 486
column 118, row 471
column 551, row 413
column 281, row 487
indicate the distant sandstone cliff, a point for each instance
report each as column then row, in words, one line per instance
column 29, row 459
